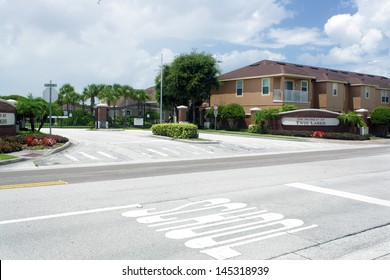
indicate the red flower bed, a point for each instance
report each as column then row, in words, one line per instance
column 318, row 134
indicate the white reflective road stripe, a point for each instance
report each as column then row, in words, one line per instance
column 72, row 158
column 88, row 156
column 68, row 214
column 157, row 152
column 352, row 196
column 107, row 155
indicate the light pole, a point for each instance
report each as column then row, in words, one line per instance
column 50, row 86
column 161, row 87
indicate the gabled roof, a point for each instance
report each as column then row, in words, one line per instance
column 265, row 68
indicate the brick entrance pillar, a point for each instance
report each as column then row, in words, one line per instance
column 182, row 114
column 102, row 113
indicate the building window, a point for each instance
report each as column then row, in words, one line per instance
column 334, row 89
column 265, row 86
column 385, row 96
column 367, row 92
column 239, row 86
column 304, row 86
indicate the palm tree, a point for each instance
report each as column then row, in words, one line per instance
column 66, row 90
column 353, row 120
column 91, row 92
column 141, row 97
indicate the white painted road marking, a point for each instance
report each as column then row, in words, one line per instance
column 88, row 156
column 107, row 155
column 229, row 225
column 348, row 195
column 171, row 151
column 157, row 152
column 68, row 214
column 72, row 158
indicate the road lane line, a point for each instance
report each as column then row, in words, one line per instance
column 46, row 217
column 88, row 156
column 72, row 158
column 36, row 184
column 157, row 152
column 348, row 195
column 107, row 155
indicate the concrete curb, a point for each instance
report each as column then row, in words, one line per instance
column 199, row 141
column 21, row 158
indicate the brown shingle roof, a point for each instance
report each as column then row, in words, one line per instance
column 273, row 68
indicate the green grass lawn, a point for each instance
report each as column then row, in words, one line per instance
column 5, row 157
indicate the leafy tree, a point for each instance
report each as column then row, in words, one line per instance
column 141, row 97
column 233, row 113
column 32, row 108
column 210, row 115
column 91, row 92
column 67, row 95
column 353, row 120
column 264, row 117
column 381, row 116
column 288, row 107
column 189, row 79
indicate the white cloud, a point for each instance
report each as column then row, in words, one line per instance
column 81, row 42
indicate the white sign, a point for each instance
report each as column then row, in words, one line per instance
column 54, row 94
column 311, row 121
column 138, row 121
column 7, row 119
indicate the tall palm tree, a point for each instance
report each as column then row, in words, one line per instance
column 91, row 92
column 141, row 97
column 64, row 93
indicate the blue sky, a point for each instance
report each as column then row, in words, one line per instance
column 120, row 41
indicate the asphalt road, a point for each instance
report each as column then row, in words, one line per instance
column 332, row 204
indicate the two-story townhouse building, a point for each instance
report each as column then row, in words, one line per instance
column 268, row 84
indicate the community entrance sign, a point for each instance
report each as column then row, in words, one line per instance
column 310, row 120
column 7, row 118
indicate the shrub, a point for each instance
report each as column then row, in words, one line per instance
column 233, row 113
column 9, row 147
column 254, row 128
column 175, row 130
column 327, row 135
column 264, row 117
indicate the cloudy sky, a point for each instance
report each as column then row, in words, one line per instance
column 120, row 41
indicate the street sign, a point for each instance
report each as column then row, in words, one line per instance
column 54, row 94
column 215, row 110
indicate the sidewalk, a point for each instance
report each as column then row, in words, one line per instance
column 31, row 154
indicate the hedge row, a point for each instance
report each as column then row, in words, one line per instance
column 176, row 130
column 327, row 135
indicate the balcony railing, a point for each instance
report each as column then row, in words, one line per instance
column 296, row 96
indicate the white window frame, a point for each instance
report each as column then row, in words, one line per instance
column 268, row 86
column 242, row 88
column 367, row 92
column 307, row 86
column 384, row 96
column 335, row 89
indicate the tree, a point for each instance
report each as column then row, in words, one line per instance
column 141, row 97
column 264, row 117
column 91, row 92
column 233, row 113
column 381, row 116
column 32, row 108
column 353, row 120
column 67, row 95
column 189, row 79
